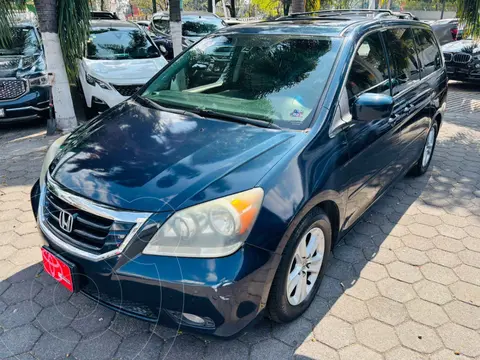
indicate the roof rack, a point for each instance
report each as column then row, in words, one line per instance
column 334, row 12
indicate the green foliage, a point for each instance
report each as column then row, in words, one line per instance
column 272, row 8
column 73, row 29
column 468, row 13
column 7, row 9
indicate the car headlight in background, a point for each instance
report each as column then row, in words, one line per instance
column 212, row 229
column 49, row 156
column 41, row 80
column 476, row 57
column 94, row 81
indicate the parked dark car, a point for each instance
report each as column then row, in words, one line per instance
column 24, row 84
column 463, row 60
column 216, row 193
column 103, row 15
column 195, row 25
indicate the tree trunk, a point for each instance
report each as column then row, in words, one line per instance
column 176, row 26
column 62, row 98
column 154, row 6
column 298, row 6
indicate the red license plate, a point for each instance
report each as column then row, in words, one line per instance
column 59, row 268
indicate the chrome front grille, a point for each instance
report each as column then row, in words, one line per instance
column 462, row 58
column 12, row 88
column 448, row 57
column 127, row 90
column 88, row 231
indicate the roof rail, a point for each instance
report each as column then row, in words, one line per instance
column 326, row 13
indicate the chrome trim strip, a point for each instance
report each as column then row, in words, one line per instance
column 139, row 218
column 27, row 108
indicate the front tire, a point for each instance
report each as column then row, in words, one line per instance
column 423, row 162
column 301, row 269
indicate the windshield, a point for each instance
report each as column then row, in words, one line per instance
column 191, row 25
column 275, row 78
column 24, row 42
column 119, row 44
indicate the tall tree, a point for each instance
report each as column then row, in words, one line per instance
column 64, row 25
column 468, row 14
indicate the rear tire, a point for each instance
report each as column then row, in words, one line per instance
column 284, row 303
column 425, row 159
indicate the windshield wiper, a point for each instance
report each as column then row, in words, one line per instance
column 157, row 106
column 237, row 119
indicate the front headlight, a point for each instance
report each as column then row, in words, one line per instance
column 41, row 80
column 212, row 229
column 94, row 81
column 49, row 156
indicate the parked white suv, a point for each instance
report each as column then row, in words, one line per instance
column 119, row 59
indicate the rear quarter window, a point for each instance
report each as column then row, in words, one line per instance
column 428, row 51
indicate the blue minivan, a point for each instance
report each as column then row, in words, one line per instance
column 216, row 193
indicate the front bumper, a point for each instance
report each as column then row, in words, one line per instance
column 228, row 293
column 465, row 72
column 33, row 105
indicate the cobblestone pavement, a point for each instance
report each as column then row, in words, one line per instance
column 405, row 284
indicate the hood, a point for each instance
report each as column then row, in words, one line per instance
column 465, row 46
column 17, row 66
column 122, row 71
column 138, row 158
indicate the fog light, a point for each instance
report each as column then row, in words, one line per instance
column 194, row 318
column 477, row 66
column 191, row 319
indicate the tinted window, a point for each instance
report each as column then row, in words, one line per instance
column 265, row 77
column 428, row 51
column 118, row 44
column 369, row 71
column 24, row 42
column 200, row 26
column 404, row 63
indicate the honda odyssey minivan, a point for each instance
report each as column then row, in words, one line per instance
column 215, row 194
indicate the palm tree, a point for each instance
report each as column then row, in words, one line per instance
column 468, row 13
column 64, row 25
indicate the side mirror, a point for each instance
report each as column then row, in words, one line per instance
column 370, row 107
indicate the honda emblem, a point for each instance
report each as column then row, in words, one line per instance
column 65, row 220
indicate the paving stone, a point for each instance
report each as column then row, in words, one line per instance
column 146, row 346
column 18, row 340
column 317, row 310
column 340, row 270
column 371, row 271
column 468, row 273
column 4, row 286
column 334, row 332
column 451, row 231
column 401, row 353
column 427, row 219
column 362, row 289
column 98, row 346
column 260, row 332
column 460, row 338
column 386, row 310
column 469, row 257
column 56, row 316
column 426, row 313
column 411, row 256
column 443, row 258
column 448, row 244
column 7, row 251
column 464, row 314
column 375, row 335
column 22, row 291
column 330, row 288
column 125, row 325
column 19, row 314
column 466, row 292
column 28, row 256
column 348, row 254
column 446, row 354
column 52, row 294
column 312, row 350
column 163, row 332
column 57, row 344
column 433, row 292
column 418, row 242
column 381, row 256
column 27, row 274
column 293, row 333
column 367, row 229
column 473, row 231
column 455, row 220
column 267, row 350
column 88, row 321
column 24, row 356
column 28, row 241
column 396, row 290
column 350, row 309
column 358, row 352
column 418, row 337
column 422, row 230
column 404, row 272
column 472, row 243
column 438, row 273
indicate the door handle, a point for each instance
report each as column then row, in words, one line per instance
column 393, row 119
column 407, row 109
